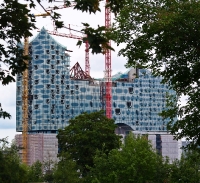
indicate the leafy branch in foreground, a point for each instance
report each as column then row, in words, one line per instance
column 4, row 114
column 14, row 26
column 97, row 38
column 163, row 35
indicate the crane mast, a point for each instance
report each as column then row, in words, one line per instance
column 108, row 81
column 25, row 99
column 87, row 61
column 25, row 106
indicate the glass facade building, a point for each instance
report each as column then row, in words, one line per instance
column 55, row 96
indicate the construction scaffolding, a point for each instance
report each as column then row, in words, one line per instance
column 42, row 147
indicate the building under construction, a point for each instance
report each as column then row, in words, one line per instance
column 41, row 147
column 58, row 92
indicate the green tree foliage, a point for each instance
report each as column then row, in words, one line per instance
column 165, row 33
column 135, row 162
column 92, row 6
column 11, row 169
column 86, row 134
column 187, row 169
column 48, row 165
column 66, row 170
column 97, row 38
column 4, row 114
column 94, row 36
column 35, row 172
column 14, row 25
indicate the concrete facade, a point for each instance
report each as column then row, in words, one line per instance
column 42, row 147
column 162, row 142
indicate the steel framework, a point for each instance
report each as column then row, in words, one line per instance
column 87, row 60
column 108, row 71
column 76, row 72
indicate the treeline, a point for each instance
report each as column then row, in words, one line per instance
column 92, row 153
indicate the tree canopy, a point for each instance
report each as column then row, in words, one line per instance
column 86, row 134
column 35, row 172
column 163, row 35
column 187, row 168
column 66, row 170
column 136, row 161
column 11, row 168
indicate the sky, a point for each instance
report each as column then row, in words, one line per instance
column 97, row 62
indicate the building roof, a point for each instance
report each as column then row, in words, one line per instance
column 120, row 75
column 43, row 31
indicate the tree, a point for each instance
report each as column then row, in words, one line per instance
column 48, row 166
column 86, row 134
column 35, row 173
column 136, row 162
column 163, row 35
column 14, row 26
column 186, row 169
column 66, row 170
column 11, row 168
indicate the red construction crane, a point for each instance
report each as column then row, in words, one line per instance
column 108, row 79
column 87, row 61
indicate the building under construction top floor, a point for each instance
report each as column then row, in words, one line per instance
column 57, row 93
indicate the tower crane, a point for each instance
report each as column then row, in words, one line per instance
column 108, row 80
column 107, row 72
column 25, row 99
column 87, row 61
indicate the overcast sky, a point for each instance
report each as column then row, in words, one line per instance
column 97, row 62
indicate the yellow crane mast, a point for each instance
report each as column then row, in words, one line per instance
column 25, row 100
column 25, row 106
